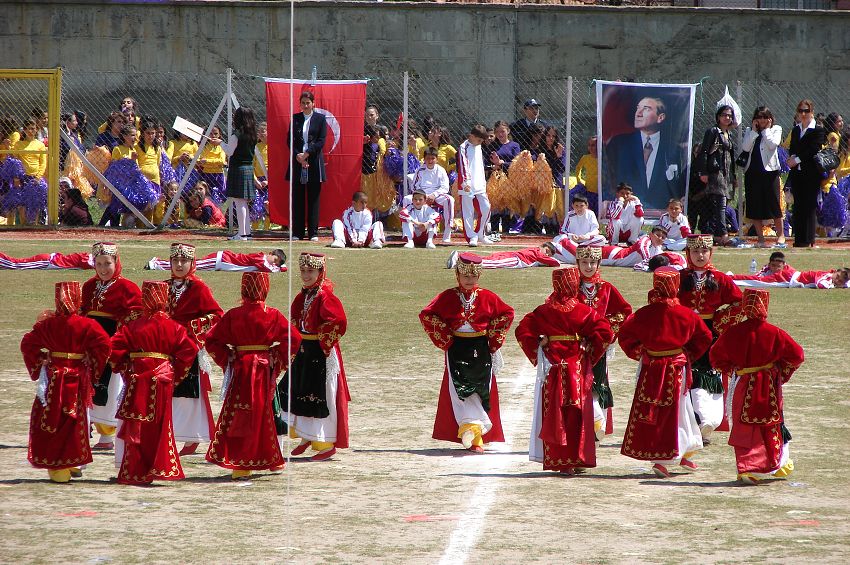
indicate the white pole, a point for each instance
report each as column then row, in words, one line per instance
column 404, row 135
column 229, row 96
column 739, row 93
column 568, row 145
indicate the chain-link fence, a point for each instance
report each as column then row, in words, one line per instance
column 455, row 102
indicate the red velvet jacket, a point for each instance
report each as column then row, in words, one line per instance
column 122, row 300
column 196, row 309
column 324, row 316
column 608, row 303
column 705, row 302
column 488, row 313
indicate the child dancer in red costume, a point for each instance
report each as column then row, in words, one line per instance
column 191, row 304
column 111, row 301
column 318, row 411
column 705, row 290
column 470, row 325
column 153, row 354
column 250, row 343
column 606, row 301
column 65, row 353
column 664, row 336
column 564, row 338
column 762, row 358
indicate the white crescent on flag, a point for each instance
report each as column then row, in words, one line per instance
column 332, row 123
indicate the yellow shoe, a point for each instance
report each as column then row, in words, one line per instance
column 76, row 472
column 59, row 475
column 748, row 479
column 239, row 475
column 785, row 470
column 466, row 438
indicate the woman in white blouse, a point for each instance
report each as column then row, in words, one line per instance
column 761, row 174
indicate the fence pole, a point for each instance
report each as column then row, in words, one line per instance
column 739, row 90
column 404, row 135
column 568, row 143
column 229, row 96
column 54, row 90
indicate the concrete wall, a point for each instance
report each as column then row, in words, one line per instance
column 372, row 39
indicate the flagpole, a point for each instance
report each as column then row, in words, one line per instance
column 404, row 136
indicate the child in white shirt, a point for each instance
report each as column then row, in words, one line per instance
column 418, row 221
column 356, row 229
column 678, row 228
column 581, row 224
column 434, row 182
column 473, row 186
column 625, row 216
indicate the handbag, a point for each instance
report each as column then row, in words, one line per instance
column 742, row 159
column 826, row 160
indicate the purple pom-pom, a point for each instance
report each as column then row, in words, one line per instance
column 124, row 174
column 32, row 195
column 166, row 171
column 11, row 169
column 783, row 159
column 452, row 178
column 216, row 182
column 258, row 205
column 394, row 163
column 833, row 211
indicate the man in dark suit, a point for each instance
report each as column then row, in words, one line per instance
column 307, row 172
column 521, row 129
column 645, row 159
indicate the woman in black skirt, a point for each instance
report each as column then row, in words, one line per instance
column 761, row 174
column 241, row 182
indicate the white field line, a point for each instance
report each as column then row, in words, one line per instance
column 469, row 527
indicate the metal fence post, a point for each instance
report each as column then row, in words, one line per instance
column 739, row 94
column 568, row 142
column 54, row 90
column 404, row 136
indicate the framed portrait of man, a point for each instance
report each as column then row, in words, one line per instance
column 645, row 133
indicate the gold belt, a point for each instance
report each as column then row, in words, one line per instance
column 99, row 314
column 252, row 348
column 573, row 337
column 469, row 334
column 310, row 337
column 748, row 370
column 62, row 355
column 707, row 316
column 664, row 353
column 149, row 355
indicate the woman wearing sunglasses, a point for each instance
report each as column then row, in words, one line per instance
column 807, row 138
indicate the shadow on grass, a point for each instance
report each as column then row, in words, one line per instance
column 702, row 484
column 439, row 452
column 543, row 475
column 46, row 481
column 3, row 446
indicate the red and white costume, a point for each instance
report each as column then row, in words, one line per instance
column 472, row 187
column 766, row 275
column 663, row 336
column 562, row 429
column 48, row 261
column 705, row 291
column 636, row 255
column 761, row 358
column 417, row 234
column 153, row 354
column 191, row 304
column 470, row 326
column 225, row 261
column 583, row 225
column 111, row 304
column 813, row 279
column 604, row 298
column 435, row 183
column 319, row 316
column 625, row 220
column 251, row 344
column 357, row 227
column 678, row 230
column 520, row 259
column 65, row 353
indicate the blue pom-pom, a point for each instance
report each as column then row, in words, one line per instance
column 125, row 175
column 11, row 169
column 833, row 210
column 783, row 159
column 167, row 173
column 452, row 178
column 394, row 163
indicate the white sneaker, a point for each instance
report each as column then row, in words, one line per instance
column 430, row 244
column 447, row 239
column 487, row 241
column 409, row 244
column 237, row 237
column 452, row 260
column 337, row 244
column 473, row 242
column 376, row 244
column 466, row 438
column 314, row 238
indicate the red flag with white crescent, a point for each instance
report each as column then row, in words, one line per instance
column 342, row 103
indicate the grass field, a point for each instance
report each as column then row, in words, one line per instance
column 397, row 496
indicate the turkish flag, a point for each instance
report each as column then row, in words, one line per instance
column 342, row 103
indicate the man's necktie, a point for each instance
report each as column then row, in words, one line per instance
column 647, row 151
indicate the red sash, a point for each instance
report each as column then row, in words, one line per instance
column 763, row 398
column 657, row 386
